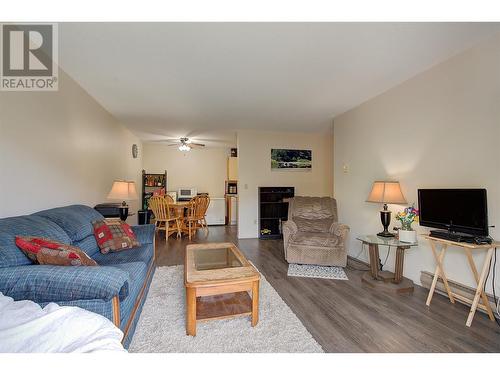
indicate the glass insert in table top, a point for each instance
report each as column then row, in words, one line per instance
column 387, row 241
column 213, row 259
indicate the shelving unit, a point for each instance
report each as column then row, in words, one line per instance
column 150, row 183
column 272, row 210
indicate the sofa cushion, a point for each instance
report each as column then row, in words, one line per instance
column 312, row 225
column 136, row 271
column 46, row 251
column 144, row 233
column 75, row 220
column 143, row 254
column 88, row 245
column 315, row 239
column 114, row 235
column 36, row 226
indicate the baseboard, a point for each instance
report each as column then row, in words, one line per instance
column 426, row 281
column 456, row 287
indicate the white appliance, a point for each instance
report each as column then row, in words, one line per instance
column 233, row 220
column 185, row 194
column 216, row 213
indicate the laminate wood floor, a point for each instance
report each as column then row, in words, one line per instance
column 348, row 316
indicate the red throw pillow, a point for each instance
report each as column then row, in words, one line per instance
column 45, row 251
column 114, row 235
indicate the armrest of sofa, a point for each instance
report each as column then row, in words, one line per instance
column 144, row 233
column 45, row 283
column 340, row 230
column 289, row 228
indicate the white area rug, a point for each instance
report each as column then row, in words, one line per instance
column 318, row 272
column 161, row 327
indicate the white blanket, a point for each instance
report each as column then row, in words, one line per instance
column 26, row 328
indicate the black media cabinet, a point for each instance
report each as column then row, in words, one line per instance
column 272, row 210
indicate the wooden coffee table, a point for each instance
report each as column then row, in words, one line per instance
column 220, row 283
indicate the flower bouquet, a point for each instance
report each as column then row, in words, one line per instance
column 407, row 217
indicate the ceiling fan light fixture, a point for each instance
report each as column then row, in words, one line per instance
column 184, row 147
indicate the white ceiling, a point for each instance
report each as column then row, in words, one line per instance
column 204, row 80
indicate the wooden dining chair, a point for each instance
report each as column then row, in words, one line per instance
column 165, row 219
column 203, row 201
column 196, row 213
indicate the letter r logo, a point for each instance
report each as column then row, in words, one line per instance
column 27, row 50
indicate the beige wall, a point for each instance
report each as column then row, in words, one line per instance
column 60, row 148
column 439, row 129
column 204, row 169
column 254, row 170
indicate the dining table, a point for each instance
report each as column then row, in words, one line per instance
column 179, row 209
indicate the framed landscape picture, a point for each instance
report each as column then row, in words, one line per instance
column 291, row 159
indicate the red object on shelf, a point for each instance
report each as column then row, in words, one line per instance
column 159, row 192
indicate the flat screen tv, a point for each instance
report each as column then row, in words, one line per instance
column 457, row 210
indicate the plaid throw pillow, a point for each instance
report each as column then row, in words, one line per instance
column 45, row 251
column 114, row 235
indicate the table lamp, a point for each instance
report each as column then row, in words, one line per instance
column 386, row 192
column 125, row 191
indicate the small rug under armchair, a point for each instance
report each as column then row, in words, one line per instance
column 316, row 272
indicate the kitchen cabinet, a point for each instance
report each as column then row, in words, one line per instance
column 232, row 168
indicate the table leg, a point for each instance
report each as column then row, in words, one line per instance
column 255, row 303
column 374, row 260
column 480, row 287
column 439, row 261
column 179, row 212
column 191, row 311
column 476, row 277
column 398, row 267
column 440, row 272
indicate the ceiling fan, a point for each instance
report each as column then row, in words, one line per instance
column 215, row 139
column 185, row 144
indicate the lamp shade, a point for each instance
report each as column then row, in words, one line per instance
column 123, row 190
column 386, row 192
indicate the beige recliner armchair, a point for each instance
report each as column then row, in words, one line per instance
column 312, row 234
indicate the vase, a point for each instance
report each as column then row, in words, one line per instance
column 409, row 236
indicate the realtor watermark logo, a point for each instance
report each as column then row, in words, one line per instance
column 29, row 57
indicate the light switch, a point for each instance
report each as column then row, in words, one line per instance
column 345, row 168
column 246, row 186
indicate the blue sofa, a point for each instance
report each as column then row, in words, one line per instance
column 116, row 289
